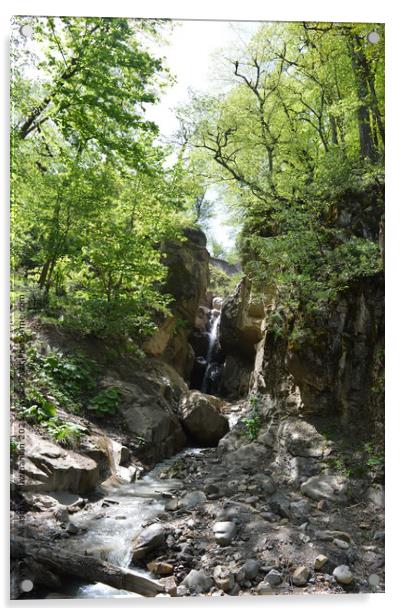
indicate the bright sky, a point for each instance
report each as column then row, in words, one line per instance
column 190, row 57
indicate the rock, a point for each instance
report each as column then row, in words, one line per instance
column 170, row 586
column 150, row 399
column 198, row 581
column 187, row 278
column 239, row 330
column 280, row 505
column 236, row 376
column 154, row 536
column 249, row 570
column 223, row 578
column 341, row 544
column 379, row 536
column 264, row 588
column 301, row 576
column 224, row 532
column 172, row 504
column 373, row 580
column 273, row 577
column 192, row 500
column 160, row 568
column 202, row 419
column 320, row 561
column 376, row 495
column 329, row 487
column 247, row 457
column 300, row 510
column 343, row 574
column 301, row 439
column 47, row 467
column 331, row 535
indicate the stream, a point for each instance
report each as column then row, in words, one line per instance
column 111, row 524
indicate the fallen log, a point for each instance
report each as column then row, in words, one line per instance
column 84, row 567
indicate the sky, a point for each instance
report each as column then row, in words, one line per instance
column 191, row 56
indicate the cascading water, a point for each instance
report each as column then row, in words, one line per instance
column 108, row 530
column 213, row 339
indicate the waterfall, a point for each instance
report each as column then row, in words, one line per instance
column 213, row 339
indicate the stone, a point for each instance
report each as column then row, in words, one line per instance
column 343, row 545
column 329, row 487
column 379, row 536
column 300, row 509
column 48, row 467
column 152, row 537
column 224, row 532
column 249, row 570
column 172, row 504
column 224, row 578
column 320, row 561
column 198, row 581
column 301, row 439
column 301, row 576
column 192, row 500
column 376, row 495
column 160, row 568
column 170, row 585
column 201, row 417
column 264, row 588
column 149, row 404
column 273, row 577
column 343, row 574
column 246, row 457
column 331, row 535
column 280, row 505
column 374, row 580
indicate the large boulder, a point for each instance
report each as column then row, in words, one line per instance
column 150, row 399
column 47, row 467
column 202, row 419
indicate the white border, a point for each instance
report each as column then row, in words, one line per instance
column 289, row 10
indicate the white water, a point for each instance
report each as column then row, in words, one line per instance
column 213, row 336
column 110, row 536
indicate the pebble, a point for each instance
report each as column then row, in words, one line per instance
column 341, row 544
column 264, row 588
column 273, row 578
column 301, row 575
column 224, row 532
column 320, row 562
column 343, row 574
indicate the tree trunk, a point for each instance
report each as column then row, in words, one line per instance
column 87, row 568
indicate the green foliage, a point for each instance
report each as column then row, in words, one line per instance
column 106, row 402
column 93, row 197
column 253, row 422
column 299, row 140
column 220, row 283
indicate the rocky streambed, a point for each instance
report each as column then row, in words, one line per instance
column 261, row 516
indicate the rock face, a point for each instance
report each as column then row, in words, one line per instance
column 187, row 280
column 47, row 467
column 241, row 329
column 150, row 400
column 201, row 417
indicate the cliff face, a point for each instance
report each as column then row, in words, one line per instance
column 188, row 275
column 335, row 368
column 339, row 369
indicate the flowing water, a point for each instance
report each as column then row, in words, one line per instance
column 213, row 340
column 111, row 526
